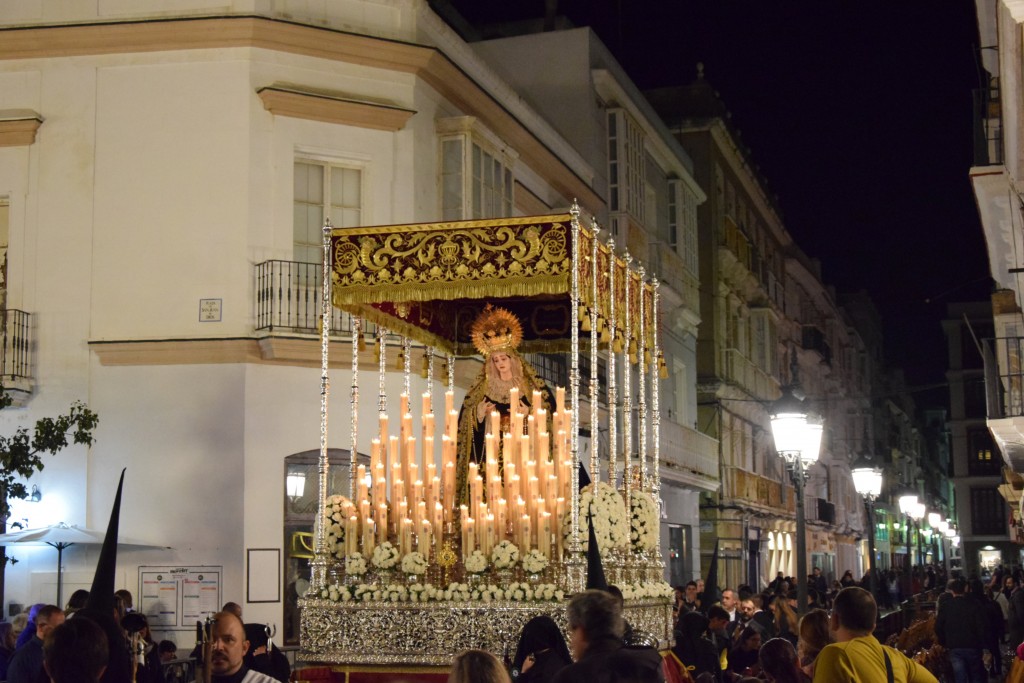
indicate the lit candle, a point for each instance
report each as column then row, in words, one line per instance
column 468, row 537
column 382, row 523
column 352, row 536
column 374, row 455
column 449, row 487
column 449, row 402
column 406, row 537
column 423, row 542
column 368, row 533
column 383, row 428
column 526, row 542
column 425, row 405
column 544, row 539
column 438, row 524
column 421, row 512
column 361, row 489
column 490, row 534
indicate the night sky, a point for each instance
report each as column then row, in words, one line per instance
column 860, row 117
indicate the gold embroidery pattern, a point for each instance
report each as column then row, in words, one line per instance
column 469, row 259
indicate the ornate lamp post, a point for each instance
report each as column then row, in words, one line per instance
column 798, row 441
column 867, row 480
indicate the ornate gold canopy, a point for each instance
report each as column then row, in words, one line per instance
column 429, row 281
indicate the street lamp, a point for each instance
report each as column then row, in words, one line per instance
column 907, row 501
column 917, row 514
column 867, row 480
column 798, row 441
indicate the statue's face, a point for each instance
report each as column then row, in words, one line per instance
column 503, row 364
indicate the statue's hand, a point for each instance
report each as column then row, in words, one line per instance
column 483, row 409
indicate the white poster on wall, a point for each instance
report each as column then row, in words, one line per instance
column 175, row 598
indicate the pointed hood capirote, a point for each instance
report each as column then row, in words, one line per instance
column 100, row 605
column 595, row 570
column 101, row 595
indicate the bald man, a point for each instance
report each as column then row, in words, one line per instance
column 229, row 646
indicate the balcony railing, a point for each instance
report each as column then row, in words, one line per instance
column 747, row 486
column 688, row 449
column 288, row 299
column 1004, row 377
column 740, row 370
column 669, row 267
column 988, row 126
column 17, row 346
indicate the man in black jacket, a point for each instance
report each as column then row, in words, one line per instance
column 962, row 628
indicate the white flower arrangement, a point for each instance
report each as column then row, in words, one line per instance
column 656, row 590
column 337, row 509
column 643, row 521
column 611, row 527
column 355, row 564
column 534, row 562
column 505, row 555
column 455, row 592
column 476, row 563
column 414, row 563
column 385, row 556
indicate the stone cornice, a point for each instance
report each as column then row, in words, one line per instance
column 283, row 101
column 18, row 127
column 427, row 63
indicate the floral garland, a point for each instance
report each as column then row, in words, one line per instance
column 534, row 562
column 505, row 555
column 355, row 564
column 643, row 521
column 645, row 591
column 385, row 556
column 455, row 592
column 476, row 563
column 414, row 563
column 609, row 512
column 337, row 509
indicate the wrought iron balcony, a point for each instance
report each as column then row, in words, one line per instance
column 288, row 299
column 16, row 359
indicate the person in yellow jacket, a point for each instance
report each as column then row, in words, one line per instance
column 856, row 656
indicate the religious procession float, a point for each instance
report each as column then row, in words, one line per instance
column 467, row 524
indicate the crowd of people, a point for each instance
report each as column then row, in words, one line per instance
column 742, row 635
column 71, row 645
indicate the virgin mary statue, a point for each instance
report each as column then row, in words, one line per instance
column 496, row 334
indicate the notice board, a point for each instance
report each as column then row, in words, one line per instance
column 175, row 598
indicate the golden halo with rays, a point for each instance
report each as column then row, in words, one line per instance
column 496, row 329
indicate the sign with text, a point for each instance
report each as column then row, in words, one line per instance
column 175, row 598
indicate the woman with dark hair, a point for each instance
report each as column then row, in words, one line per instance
column 76, row 601
column 847, row 579
column 785, row 619
column 541, row 652
column 7, row 642
column 693, row 649
column 779, row 663
column 743, row 657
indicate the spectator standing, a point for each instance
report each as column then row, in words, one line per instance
column 785, row 619
column 847, row 579
column 26, row 665
column 743, row 658
column 1015, row 615
column 7, row 642
column 814, row 636
column 978, row 593
column 30, row 627
column 689, row 597
column 76, row 652
column 856, row 656
column 779, row 662
column 962, row 628
column 477, row 666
